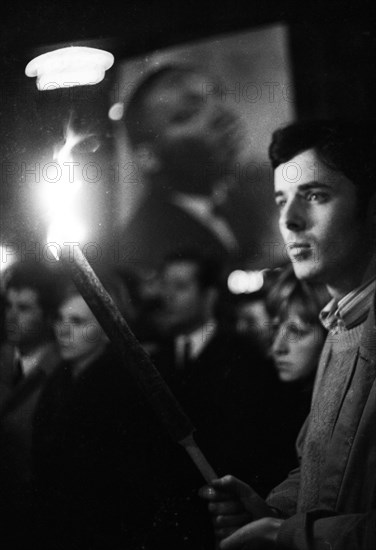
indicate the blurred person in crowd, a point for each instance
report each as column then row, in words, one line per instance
column 148, row 323
column 298, row 335
column 327, row 220
column 297, row 339
column 186, row 142
column 222, row 381
column 92, row 444
column 252, row 318
column 27, row 359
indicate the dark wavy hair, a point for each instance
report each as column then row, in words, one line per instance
column 343, row 145
column 40, row 278
column 209, row 270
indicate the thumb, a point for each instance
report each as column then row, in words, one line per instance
column 251, row 500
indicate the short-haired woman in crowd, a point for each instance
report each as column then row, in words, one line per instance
column 298, row 337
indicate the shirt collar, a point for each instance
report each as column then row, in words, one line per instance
column 31, row 360
column 199, row 338
column 351, row 310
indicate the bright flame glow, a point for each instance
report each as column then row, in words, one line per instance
column 59, row 194
column 68, row 67
column 60, row 186
column 64, row 230
column 245, row 282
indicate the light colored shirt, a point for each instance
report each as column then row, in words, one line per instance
column 31, row 360
column 196, row 341
column 351, row 310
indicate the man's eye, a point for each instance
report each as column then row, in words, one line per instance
column 24, row 309
column 280, row 202
column 316, row 196
column 182, row 117
column 186, row 114
column 77, row 321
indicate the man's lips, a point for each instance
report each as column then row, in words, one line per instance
column 65, row 345
column 297, row 249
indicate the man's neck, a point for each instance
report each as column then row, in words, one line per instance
column 81, row 365
column 361, row 273
column 27, row 349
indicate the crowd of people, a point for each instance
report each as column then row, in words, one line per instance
column 84, row 462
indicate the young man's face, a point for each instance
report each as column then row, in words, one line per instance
column 78, row 333
column 325, row 237
column 25, row 322
column 185, row 303
column 196, row 130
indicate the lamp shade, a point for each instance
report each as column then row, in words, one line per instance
column 68, row 67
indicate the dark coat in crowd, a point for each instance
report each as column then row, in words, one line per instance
column 159, row 227
column 93, row 457
column 18, row 400
column 229, row 391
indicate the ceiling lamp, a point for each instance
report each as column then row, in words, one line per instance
column 68, row 67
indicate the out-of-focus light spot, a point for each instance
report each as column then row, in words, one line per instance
column 116, row 111
column 68, row 67
column 245, row 282
column 7, row 256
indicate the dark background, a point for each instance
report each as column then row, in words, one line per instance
column 332, row 42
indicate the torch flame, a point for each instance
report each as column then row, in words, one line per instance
column 71, row 140
column 60, row 192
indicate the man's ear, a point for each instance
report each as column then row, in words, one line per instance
column 147, row 159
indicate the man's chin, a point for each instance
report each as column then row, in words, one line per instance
column 305, row 271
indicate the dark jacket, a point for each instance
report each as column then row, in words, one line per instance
column 230, row 393
column 18, row 402
column 160, row 227
column 93, row 457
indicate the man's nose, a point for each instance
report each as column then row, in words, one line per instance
column 293, row 216
column 63, row 329
column 167, row 295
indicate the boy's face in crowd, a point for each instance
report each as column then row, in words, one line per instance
column 78, row 333
column 196, row 129
column 325, row 237
column 183, row 300
column 25, row 322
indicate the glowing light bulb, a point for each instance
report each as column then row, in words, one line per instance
column 68, row 67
